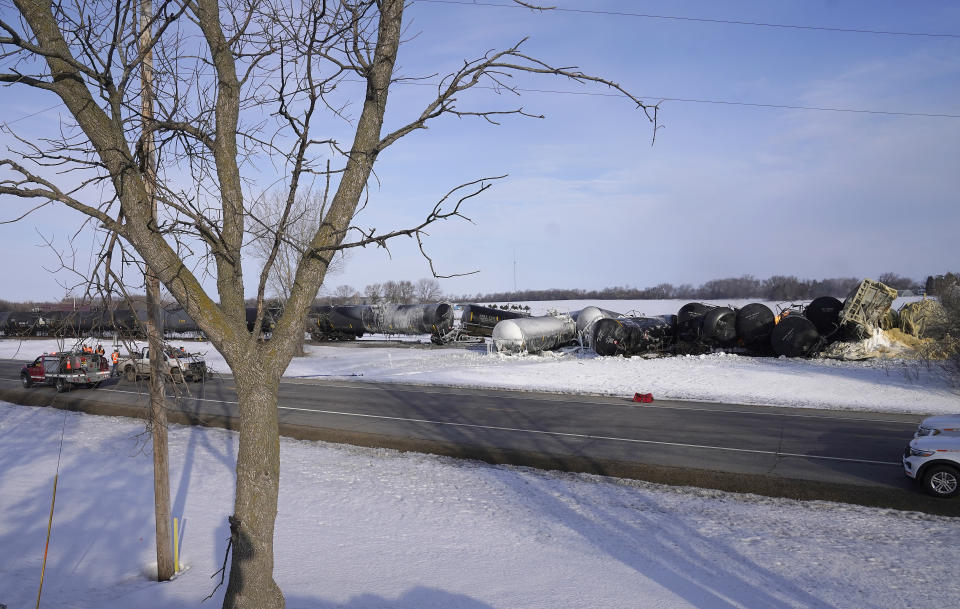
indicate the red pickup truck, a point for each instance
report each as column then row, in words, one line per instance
column 64, row 370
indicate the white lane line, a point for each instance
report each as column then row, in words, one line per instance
column 572, row 399
column 549, row 433
column 589, row 437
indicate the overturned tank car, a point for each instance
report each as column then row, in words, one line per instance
column 633, row 335
column 478, row 320
column 754, row 324
column 707, row 325
column 824, row 312
column 587, row 319
column 796, row 336
column 534, row 334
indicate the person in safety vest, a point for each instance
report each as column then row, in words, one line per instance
column 115, row 358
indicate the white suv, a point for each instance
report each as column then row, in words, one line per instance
column 934, row 460
column 944, row 423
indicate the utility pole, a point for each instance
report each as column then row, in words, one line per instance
column 158, row 413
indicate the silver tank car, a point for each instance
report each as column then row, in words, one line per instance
column 434, row 318
column 587, row 319
column 534, row 334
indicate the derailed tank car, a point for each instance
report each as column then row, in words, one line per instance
column 824, row 312
column 478, row 320
column 796, row 336
column 534, row 334
column 755, row 323
column 587, row 320
column 349, row 322
column 435, row 319
column 706, row 325
column 633, row 335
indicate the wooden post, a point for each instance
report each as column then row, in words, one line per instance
column 158, row 413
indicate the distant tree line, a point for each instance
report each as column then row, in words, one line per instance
column 778, row 287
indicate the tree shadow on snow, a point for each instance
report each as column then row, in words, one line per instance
column 419, row 597
column 662, row 547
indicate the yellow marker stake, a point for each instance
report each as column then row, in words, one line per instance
column 176, row 547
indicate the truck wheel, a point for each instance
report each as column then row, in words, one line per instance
column 25, row 380
column 62, row 385
column 131, row 374
column 176, row 375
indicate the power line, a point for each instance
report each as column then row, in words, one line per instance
column 701, row 19
column 721, row 102
column 31, row 115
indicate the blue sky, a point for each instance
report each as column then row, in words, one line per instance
column 725, row 190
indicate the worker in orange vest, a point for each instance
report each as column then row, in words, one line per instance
column 115, row 357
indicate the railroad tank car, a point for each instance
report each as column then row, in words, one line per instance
column 705, row 324
column 268, row 319
column 534, row 334
column 795, row 336
column 690, row 321
column 129, row 322
column 587, row 319
column 430, row 318
column 633, row 335
column 824, row 312
column 478, row 320
column 21, row 323
column 719, row 327
column 327, row 322
column 754, row 324
column 178, row 321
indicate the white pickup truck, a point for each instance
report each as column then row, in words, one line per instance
column 179, row 364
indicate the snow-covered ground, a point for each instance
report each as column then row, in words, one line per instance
column 366, row 529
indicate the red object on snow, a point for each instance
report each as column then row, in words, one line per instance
column 645, row 398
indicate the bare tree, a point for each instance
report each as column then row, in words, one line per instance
column 373, row 293
column 294, row 233
column 235, row 84
column 304, row 218
column 398, row 292
column 428, row 290
column 345, row 294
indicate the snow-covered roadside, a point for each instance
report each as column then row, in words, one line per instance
column 361, row 528
column 878, row 385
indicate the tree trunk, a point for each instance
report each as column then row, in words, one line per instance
column 251, row 584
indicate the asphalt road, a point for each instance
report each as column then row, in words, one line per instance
column 852, row 457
